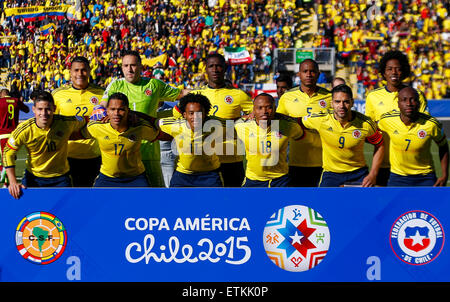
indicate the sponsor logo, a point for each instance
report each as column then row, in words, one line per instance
column 417, row 237
column 41, row 238
column 296, row 238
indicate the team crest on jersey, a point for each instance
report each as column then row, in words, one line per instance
column 148, row 92
column 94, row 100
column 356, row 133
column 323, row 104
column 229, row 99
column 296, row 238
column 422, row 134
column 41, row 238
column 417, row 237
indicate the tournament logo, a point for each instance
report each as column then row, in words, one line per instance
column 422, row 134
column 323, row 103
column 356, row 134
column 417, row 237
column 41, row 238
column 296, row 238
column 229, row 99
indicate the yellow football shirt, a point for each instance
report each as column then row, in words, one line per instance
column 195, row 151
column 120, row 151
column 79, row 103
column 410, row 145
column 343, row 147
column 266, row 149
column 226, row 103
column 296, row 103
column 380, row 101
column 47, row 149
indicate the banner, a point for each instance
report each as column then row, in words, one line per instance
column 300, row 56
column 153, row 61
column 32, row 13
column 6, row 41
column 237, row 55
column 226, row 235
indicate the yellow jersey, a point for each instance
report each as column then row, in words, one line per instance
column 410, row 145
column 296, row 103
column 47, row 149
column 120, row 151
column 266, row 149
column 195, row 151
column 343, row 147
column 380, row 101
column 226, row 103
column 70, row 101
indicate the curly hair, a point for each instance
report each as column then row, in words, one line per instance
column 194, row 98
column 401, row 58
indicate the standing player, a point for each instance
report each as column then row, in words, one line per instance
column 227, row 103
column 78, row 99
column 394, row 68
column 410, row 133
column 197, row 165
column 144, row 95
column 305, row 156
column 9, row 119
column 266, row 139
column 343, row 133
column 284, row 83
column 45, row 136
column 120, row 141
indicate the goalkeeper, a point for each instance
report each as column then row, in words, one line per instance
column 144, row 95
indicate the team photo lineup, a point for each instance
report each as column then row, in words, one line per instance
column 136, row 93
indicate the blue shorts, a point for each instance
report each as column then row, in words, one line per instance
column 283, row 181
column 331, row 179
column 103, row 181
column 30, row 180
column 203, row 179
column 421, row 180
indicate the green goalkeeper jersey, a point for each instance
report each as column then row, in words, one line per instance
column 144, row 96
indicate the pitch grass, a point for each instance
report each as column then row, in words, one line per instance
column 368, row 150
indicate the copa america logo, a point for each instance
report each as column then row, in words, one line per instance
column 296, row 238
column 417, row 237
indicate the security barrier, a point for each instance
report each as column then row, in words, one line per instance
column 226, row 235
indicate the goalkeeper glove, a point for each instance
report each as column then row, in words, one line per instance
column 98, row 113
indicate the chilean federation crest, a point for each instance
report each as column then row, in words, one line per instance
column 296, row 238
column 417, row 237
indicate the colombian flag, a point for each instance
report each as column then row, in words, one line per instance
column 46, row 29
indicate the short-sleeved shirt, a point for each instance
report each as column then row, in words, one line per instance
column 47, row 149
column 120, row 151
column 343, row 147
column 9, row 114
column 70, row 101
column 144, row 96
column 194, row 152
column 410, row 145
column 296, row 103
column 266, row 149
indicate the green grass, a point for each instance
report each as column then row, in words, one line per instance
column 368, row 150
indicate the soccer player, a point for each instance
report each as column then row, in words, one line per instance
column 266, row 139
column 227, row 103
column 198, row 164
column 120, row 141
column 305, row 156
column 343, row 133
column 9, row 119
column 78, row 99
column 284, row 83
column 337, row 81
column 144, row 95
column 46, row 138
column 410, row 133
column 394, row 68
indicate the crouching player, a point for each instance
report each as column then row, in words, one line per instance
column 411, row 133
column 266, row 139
column 45, row 137
column 197, row 162
column 343, row 133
